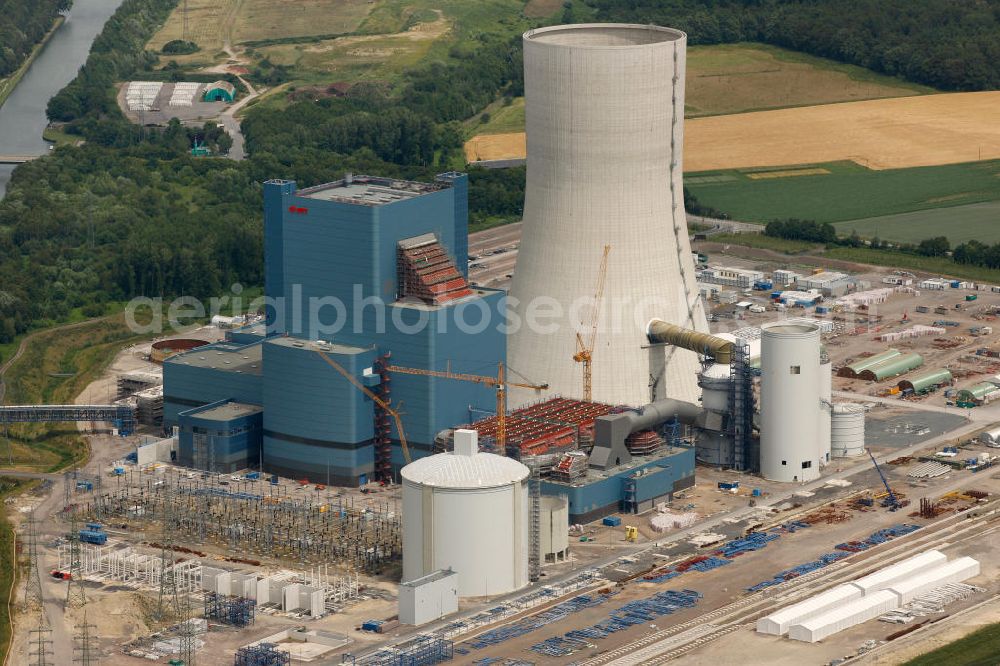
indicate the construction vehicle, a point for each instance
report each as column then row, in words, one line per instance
column 585, row 350
column 631, row 533
column 499, row 382
column 374, row 398
column 891, row 500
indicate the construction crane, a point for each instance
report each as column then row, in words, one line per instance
column 499, row 382
column 585, row 350
column 891, row 501
column 376, row 399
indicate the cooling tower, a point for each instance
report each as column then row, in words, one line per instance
column 604, row 117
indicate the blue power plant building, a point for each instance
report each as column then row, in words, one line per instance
column 357, row 272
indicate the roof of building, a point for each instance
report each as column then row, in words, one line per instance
column 223, row 356
column 871, row 361
column 825, row 277
column 315, row 345
column 222, row 85
column 227, row 411
column 847, row 611
column 814, row 605
column 451, row 470
column 886, row 576
column 978, row 391
column 370, row 190
column 928, row 379
column 892, row 367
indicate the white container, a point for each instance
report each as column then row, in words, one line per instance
column 847, row 432
column 789, row 402
column 889, row 576
column 779, row 622
column 604, row 117
column 955, row 571
column 467, row 511
column 843, row 617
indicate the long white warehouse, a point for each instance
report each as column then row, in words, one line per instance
column 955, row 571
column 887, row 577
column 855, row 612
column 779, row 622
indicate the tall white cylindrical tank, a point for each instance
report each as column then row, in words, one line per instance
column 604, row 114
column 553, row 533
column 826, row 398
column 467, row 511
column 847, row 430
column 789, row 408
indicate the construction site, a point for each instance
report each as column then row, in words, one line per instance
column 777, row 460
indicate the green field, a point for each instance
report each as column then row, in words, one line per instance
column 980, row 648
column 736, row 78
column 848, row 192
column 959, row 223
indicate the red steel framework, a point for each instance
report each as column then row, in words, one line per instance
column 557, row 424
column 428, row 273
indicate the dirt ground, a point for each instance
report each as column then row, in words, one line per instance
column 879, row 134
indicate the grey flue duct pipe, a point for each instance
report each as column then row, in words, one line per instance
column 611, row 430
column 662, row 411
column 659, row 331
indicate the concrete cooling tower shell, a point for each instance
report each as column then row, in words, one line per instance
column 604, row 111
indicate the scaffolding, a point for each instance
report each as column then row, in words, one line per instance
column 364, row 535
column 121, row 416
column 535, row 537
column 741, row 408
column 262, row 654
column 235, row 611
column 419, row 651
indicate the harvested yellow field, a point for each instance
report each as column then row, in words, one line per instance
column 879, row 134
column 496, row 147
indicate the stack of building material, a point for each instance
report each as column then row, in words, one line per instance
column 183, row 94
column 661, row 522
column 571, row 467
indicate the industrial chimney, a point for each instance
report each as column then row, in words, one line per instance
column 605, row 127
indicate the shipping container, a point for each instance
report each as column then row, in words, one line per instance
column 612, row 521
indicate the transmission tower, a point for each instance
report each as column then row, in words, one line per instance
column 76, row 595
column 85, row 649
column 33, row 579
column 188, row 646
column 168, row 582
column 40, row 647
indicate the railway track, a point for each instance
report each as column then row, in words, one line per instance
column 672, row 642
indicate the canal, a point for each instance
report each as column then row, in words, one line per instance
column 22, row 117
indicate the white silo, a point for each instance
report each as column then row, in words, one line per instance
column 604, row 112
column 847, row 430
column 826, row 400
column 789, row 402
column 467, row 511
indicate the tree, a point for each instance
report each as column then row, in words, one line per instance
column 934, row 247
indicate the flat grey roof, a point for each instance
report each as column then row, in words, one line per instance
column 316, row 345
column 370, row 190
column 228, row 411
column 224, row 356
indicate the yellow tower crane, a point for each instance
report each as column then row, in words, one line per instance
column 585, row 351
column 499, row 382
column 376, row 399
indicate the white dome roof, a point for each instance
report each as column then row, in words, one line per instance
column 451, row 470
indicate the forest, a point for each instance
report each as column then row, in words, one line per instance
column 133, row 213
column 23, row 23
column 947, row 44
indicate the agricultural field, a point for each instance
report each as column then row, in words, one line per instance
column 959, row 223
column 979, row 648
column 842, row 191
column 214, row 23
column 330, row 41
column 737, row 78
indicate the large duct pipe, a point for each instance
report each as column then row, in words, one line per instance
column 659, row 331
column 611, row 431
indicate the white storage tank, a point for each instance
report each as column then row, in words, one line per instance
column 553, row 537
column 847, row 430
column 467, row 511
column 826, row 399
column 789, row 401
